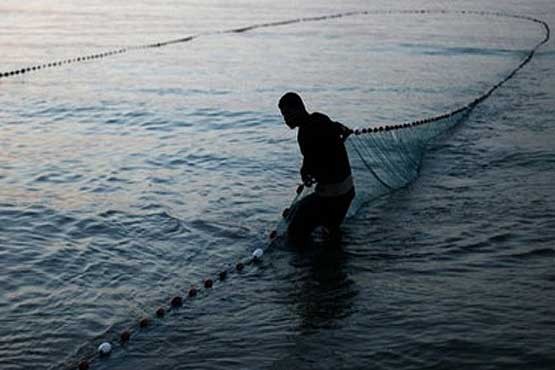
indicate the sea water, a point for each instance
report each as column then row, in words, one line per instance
column 126, row 180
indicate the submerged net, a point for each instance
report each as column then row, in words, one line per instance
column 389, row 157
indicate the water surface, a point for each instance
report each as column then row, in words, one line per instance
column 124, row 181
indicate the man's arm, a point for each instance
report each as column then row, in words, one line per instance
column 306, row 172
column 331, row 128
column 341, row 130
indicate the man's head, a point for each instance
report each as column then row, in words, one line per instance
column 293, row 110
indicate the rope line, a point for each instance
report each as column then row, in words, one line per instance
column 377, row 139
column 91, row 57
column 468, row 107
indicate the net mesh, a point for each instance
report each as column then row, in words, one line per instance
column 389, row 157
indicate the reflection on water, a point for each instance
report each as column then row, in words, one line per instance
column 325, row 294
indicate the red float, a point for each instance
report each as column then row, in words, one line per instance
column 192, row 292
column 125, row 335
column 176, row 301
column 144, row 322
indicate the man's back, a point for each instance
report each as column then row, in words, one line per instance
column 321, row 143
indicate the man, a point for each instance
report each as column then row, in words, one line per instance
column 326, row 163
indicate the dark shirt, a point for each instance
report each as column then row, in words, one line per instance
column 321, row 143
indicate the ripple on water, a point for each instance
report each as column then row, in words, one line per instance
column 121, row 191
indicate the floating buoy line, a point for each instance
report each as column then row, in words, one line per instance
column 175, row 303
column 367, row 143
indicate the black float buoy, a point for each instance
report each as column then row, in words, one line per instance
column 192, row 292
column 176, row 301
column 285, row 213
column 144, row 322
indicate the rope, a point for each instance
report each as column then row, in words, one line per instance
column 468, row 107
column 87, row 58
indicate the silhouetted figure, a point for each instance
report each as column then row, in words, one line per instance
column 326, row 163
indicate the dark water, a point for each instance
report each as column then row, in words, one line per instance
column 124, row 182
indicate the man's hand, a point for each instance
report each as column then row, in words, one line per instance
column 306, row 177
column 343, row 131
column 308, row 180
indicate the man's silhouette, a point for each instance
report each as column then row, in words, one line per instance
column 326, row 163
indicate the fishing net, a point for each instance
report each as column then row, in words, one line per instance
column 388, row 157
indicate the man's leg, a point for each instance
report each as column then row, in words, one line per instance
column 335, row 210
column 306, row 216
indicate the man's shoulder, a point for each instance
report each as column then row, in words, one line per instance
column 318, row 118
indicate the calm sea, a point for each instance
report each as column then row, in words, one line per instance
column 125, row 180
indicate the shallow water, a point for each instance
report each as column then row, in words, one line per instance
column 126, row 180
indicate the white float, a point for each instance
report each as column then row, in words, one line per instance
column 105, row 348
column 258, row 253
